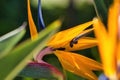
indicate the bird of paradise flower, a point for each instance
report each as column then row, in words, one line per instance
column 68, row 40
column 109, row 41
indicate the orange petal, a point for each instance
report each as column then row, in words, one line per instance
column 78, row 64
column 118, row 44
column 105, row 48
column 63, row 37
column 83, row 43
column 33, row 31
column 113, row 23
column 118, row 53
column 100, row 30
column 113, row 19
column 118, row 58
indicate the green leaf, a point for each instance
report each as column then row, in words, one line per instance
column 16, row 60
column 71, row 76
column 101, row 10
column 8, row 41
column 41, row 71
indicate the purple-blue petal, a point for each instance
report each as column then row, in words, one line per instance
column 40, row 17
column 102, row 77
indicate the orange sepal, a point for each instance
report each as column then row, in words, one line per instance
column 33, row 30
column 78, row 64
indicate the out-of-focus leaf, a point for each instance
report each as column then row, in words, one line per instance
column 27, row 78
column 95, row 54
column 101, row 10
column 71, row 76
column 8, row 41
column 41, row 70
column 16, row 60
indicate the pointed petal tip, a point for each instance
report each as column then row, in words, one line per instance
column 95, row 19
column 59, row 21
column 33, row 30
column 14, row 32
column 56, row 24
column 23, row 26
column 73, row 64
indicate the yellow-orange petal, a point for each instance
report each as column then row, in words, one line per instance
column 105, row 48
column 83, row 43
column 118, row 53
column 113, row 22
column 33, row 30
column 118, row 58
column 78, row 64
column 62, row 37
column 113, row 14
column 100, row 30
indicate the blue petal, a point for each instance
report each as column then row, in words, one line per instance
column 40, row 18
column 103, row 77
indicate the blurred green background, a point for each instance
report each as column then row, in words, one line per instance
column 14, row 12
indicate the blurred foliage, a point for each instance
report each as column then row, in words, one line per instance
column 13, row 13
column 14, row 59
